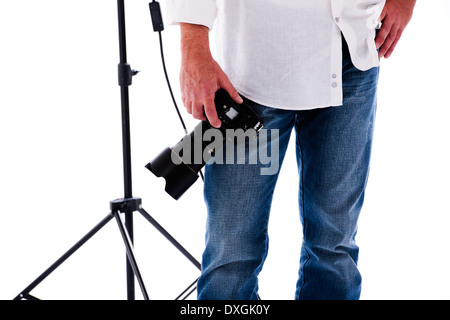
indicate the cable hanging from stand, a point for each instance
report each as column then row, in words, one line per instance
column 158, row 26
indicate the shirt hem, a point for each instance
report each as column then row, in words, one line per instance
column 283, row 107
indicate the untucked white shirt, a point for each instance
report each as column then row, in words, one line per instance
column 286, row 54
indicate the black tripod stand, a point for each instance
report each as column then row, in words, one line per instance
column 129, row 204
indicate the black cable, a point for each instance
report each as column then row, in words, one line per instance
column 170, row 89
column 168, row 82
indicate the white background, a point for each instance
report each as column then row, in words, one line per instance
column 61, row 160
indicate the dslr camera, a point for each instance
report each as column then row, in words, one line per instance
column 180, row 165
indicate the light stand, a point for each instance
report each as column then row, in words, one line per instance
column 129, row 204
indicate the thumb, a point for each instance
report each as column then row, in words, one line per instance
column 226, row 84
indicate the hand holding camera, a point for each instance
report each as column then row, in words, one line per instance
column 180, row 165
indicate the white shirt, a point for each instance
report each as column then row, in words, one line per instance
column 286, row 54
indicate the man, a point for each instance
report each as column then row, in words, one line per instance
column 308, row 65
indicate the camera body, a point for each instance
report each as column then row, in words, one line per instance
column 236, row 116
column 180, row 165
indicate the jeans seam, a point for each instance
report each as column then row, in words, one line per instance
column 302, row 189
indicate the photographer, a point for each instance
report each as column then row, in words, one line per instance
column 308, row 65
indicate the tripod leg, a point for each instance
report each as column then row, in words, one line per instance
column 25, row 293
column 129, row 272
column 130, row 254
column 170, row 238
column 193, row 286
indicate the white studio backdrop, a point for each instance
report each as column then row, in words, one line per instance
column 61, row 160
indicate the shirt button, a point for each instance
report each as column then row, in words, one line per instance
column 334, row 76
column 334, row 85
column 337, row 19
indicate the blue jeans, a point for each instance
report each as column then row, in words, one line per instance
column 333, row 148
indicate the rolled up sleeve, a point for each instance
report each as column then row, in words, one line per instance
column 201, row 12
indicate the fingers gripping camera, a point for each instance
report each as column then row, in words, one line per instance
column 181, row 164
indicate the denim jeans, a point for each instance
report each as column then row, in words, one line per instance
column 333, row 147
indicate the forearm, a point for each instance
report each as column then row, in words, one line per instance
column 194, row 42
